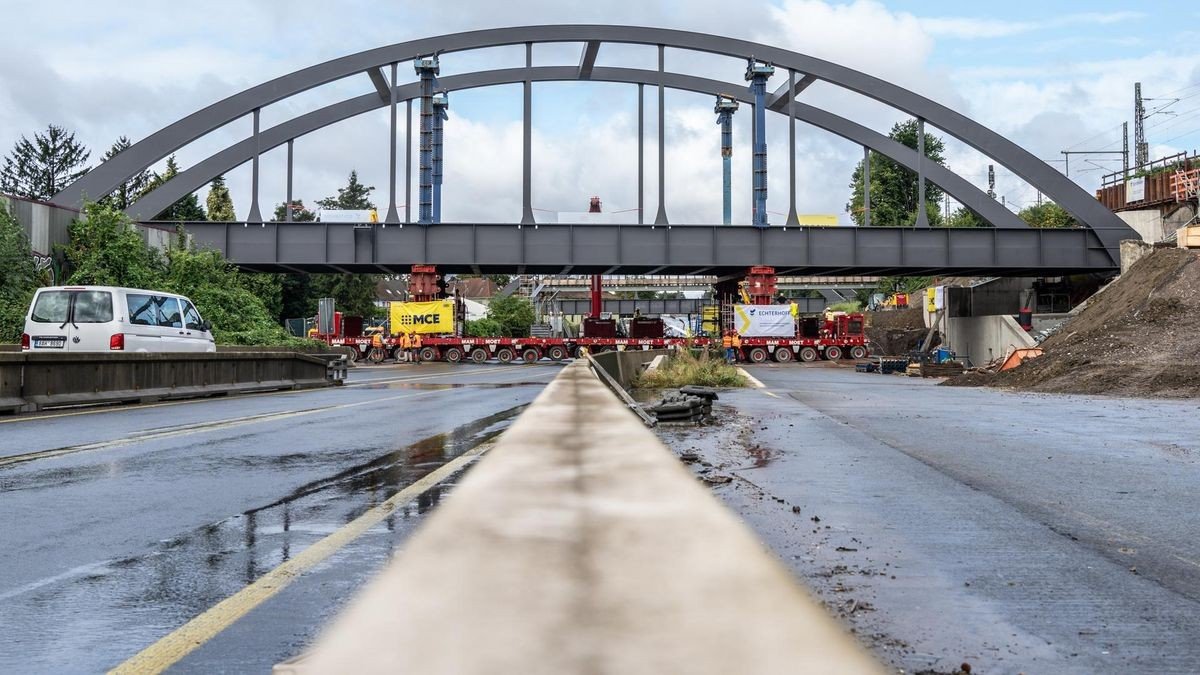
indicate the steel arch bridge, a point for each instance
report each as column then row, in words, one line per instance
column 1010, row 247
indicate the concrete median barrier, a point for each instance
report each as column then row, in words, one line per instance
column 580, row 544
column 55, row 380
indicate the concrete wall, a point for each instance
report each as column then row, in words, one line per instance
column 982, row 339
column 48, row 226
column 625, row 365
column 1133, row 250
column 579, row 544
column 1146, row 222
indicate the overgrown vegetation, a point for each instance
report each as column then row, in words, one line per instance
column 705, row 369
column 848, row 306
column 894, row 191
column 510, row 316
column 18, row 276
column 107, row 250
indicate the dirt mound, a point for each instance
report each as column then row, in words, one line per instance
column 1139, row 337
column 896, row 332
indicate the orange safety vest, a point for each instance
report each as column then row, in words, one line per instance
column 404, row 343
column 416, row 341
column 737, row 341
column 727, row 341
column 376, row 340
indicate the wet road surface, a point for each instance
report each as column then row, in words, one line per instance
column 121, row 524
column 1017, row 532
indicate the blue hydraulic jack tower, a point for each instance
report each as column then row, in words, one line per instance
column 725, row 107
column 757, row 74
column 441, row 102
column 427, row 69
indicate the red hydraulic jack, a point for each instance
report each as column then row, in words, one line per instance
column 422, row 283
column 761, row 285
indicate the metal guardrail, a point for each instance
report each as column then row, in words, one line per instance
column 34, row 381
column 617, row 387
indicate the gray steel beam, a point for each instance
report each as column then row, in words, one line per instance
column 641, row 172
column 197, row 175
column 778, row 100
column 792, row 218
column 106, row 177
column 632, row 249
column 393, row 216
column 527, row 142
column 379, row 80
column 661, row 217
column 629, row 307
column 587, row 60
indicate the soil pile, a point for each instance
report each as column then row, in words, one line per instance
column 1139, row 337
column 896, row 332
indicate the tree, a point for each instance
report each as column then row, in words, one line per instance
column 1047, row 214
column 219, row 203
column 300, row 214
column 893, row 187
column 18, row 277
column 106, row 250
column 186, row 209
column 355, row 196
column 39, row 169
column 964, row 217
column 353, row 294
column 128, row 192
column 514, row 315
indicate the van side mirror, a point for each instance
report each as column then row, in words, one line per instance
column 206, row 326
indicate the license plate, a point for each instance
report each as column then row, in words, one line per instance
column 49, row 342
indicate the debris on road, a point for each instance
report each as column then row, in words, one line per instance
column 690, row 404
column 1135, row 338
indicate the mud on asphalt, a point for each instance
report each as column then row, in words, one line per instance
column 841, row 570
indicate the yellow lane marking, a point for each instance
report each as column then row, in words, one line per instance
column 195, row 429
column 147, row 406
column 178, row 644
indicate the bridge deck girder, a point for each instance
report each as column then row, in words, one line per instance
column 640, row 249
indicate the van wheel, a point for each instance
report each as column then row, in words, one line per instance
column 808, row 354
column 833, row 353
column 531, row 355
column 557, row 353
column 453, row 355
column 504, row 355
column 858, row 352
column 757, row 355
column 784, row 354
column 479, row 355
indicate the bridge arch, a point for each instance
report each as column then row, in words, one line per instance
column 108, row 176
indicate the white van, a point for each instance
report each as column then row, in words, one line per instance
column 106, row 318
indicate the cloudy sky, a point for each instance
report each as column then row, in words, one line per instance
column 1049, row 75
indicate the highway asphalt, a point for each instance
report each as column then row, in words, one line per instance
column 121, row 524
column 1015, row 532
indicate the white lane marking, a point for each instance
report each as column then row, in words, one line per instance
column 754, row 381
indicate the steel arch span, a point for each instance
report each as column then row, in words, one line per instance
column 1010, row 248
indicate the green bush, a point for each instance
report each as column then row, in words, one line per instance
column 684, row 368
column 18, row 278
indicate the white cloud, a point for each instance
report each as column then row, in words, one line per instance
column 964, row 28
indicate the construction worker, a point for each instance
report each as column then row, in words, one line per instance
column 737, row 346
column 405, row 343
column 376, row 354
column 727, row 343
column 415, row 343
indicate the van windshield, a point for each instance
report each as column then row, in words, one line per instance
column 51, row 307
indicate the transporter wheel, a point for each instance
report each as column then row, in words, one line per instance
column 397, row 354
column 376, row 355
column 453, row 355
column 833, row 353
column 354, row 355
column 479, row 355
column 504, row 355
column 429, row 354
column 808, row 354
column 757, row 355
column 858, row 352
column 784, row 355
column 531, row 355
column 557, row 353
